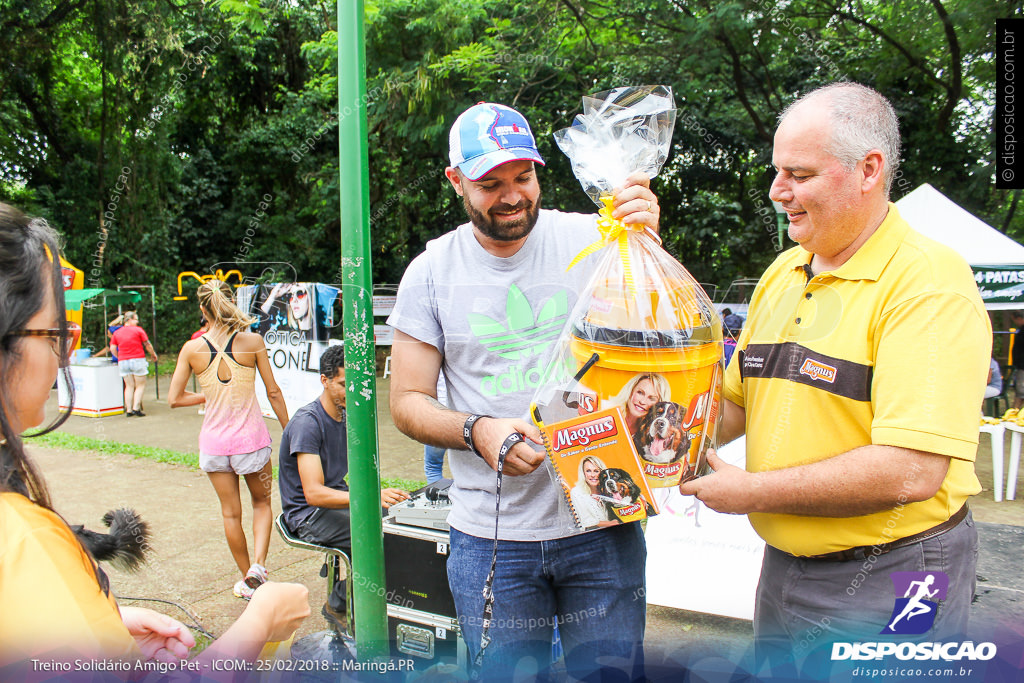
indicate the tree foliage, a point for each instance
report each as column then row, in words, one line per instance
column 149, row 132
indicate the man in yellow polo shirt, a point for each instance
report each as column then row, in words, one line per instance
column 859, row 375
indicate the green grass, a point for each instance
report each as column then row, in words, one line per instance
column 82, row 443
column 167, row 363
column 404, row 484
column 74, row 442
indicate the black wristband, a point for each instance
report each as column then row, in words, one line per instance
column 467, row 432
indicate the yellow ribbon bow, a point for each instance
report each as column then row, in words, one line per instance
column 612, row 230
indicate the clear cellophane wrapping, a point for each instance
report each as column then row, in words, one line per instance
column 631, row 399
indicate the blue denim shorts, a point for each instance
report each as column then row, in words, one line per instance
column 133, row 366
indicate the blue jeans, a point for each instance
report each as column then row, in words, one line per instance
column 433, row 462
column 591, row 585
column 805, row 605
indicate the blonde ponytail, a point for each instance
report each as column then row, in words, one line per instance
column 216, row 298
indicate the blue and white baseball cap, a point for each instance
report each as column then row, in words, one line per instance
column 486, row 136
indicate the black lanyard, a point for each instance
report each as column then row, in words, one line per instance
column 485, row 638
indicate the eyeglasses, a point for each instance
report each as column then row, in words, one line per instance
column 62, row 346
column 299, row 294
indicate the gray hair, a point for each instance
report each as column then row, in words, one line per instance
column 862, row 120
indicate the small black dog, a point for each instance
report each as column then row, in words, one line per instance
column 126, row 544
column 618, row 490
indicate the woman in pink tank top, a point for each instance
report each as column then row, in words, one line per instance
column 234, row 440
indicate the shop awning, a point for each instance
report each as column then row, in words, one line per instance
column 73, row 298
column 997, row 260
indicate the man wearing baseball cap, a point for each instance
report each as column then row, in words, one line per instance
column 485, row 303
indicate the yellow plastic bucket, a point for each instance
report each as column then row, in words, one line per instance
column 662, row 350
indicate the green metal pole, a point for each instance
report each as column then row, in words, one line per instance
column 360, row 361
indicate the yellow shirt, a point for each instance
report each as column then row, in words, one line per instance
column 50, row 604
column 892, row 348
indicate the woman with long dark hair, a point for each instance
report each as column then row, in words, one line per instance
column 55, row 601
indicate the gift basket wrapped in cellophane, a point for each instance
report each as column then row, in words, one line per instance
column 631, row 399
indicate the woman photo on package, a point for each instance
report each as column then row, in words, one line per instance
column 585, row 495
column 638, row 397
column 58, row 604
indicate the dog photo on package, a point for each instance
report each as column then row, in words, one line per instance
column 642, row 353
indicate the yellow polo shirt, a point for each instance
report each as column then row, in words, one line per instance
column 50, row 604
column 892, row 348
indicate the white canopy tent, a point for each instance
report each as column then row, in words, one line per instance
column 997, row 260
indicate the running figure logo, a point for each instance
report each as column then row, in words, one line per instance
column 914, row 612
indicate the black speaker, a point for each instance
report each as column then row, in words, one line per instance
column 415, row 571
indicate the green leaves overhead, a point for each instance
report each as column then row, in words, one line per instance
column 213, row 106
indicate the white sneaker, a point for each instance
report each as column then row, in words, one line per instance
column 256, row 576
column 242, row 590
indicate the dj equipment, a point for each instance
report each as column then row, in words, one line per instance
column 422, row 623
column 415, row 568
column 428, row 507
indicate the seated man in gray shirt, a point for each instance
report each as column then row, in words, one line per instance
column 312, row 470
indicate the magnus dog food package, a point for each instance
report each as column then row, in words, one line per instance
column 597, row 468
column 644, row 337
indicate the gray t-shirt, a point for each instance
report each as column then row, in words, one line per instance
column 495, row 321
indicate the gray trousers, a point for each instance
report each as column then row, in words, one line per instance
column 331, row 528
column 805, row 605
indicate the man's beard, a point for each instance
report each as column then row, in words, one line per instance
column 504, row 231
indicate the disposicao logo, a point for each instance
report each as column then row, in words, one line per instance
column 917, row 598
column 947, row 652
column 916, row 604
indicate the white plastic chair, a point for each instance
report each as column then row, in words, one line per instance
column 1011, row 473
column 997, row 432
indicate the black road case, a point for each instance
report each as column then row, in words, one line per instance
column 430, row 641
column 415, row 571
